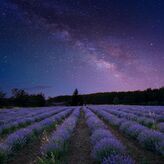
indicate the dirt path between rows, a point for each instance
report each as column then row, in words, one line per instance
column 140, row 155
column 80, row 148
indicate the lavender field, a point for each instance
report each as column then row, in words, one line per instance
column 82, row 135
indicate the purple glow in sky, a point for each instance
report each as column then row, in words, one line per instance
column 96, row 46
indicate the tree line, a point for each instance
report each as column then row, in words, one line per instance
column 146, row 97
column 21, row 98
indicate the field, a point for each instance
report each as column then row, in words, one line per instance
column 82, row 135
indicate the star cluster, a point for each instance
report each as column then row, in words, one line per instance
column 56, row 46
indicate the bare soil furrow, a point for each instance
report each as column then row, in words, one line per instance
column 80, row 148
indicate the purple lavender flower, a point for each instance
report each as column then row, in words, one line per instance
column 99, row 134
column 52, row 147
column 118, row 159
column 125, row 125
column 18, row 139
column 150, row 139
column 32, row 117
column 58, row 141
column 146, row 121
column 106, row 147
column 160, row 126
column 116, row 121
column 94, row 123
column 134, row 130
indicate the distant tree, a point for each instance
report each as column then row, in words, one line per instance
column 116, row 100
column 40, row 99
column 2, row 94
column 2, row 99
column 36, row 100
column 19, row 93
column 76, row 92
column 20, row 97
column 75, row 98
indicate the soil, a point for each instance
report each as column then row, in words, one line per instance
column 80, row 147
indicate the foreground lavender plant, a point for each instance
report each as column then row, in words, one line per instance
column 6, row 128
column 20, row 138
column 149, row 122
column 104, row 143
column 106, row 147
column 57, row 144
column 160, row 126
column 118, row 159
column 99, row 134
column 149, row 139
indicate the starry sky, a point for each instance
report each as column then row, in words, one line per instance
column 55, row 46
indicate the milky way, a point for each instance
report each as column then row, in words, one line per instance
column 54, row 46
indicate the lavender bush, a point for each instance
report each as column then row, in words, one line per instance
column 99, row 134
column 57, row 144
column 104, row 143
column 151, row 139
column 106, row 147
column 149, row 122
column 118, row 159
column 147, row 138
column 160, row 126
column 134, row 130
column 20, row 138
column 18, row 123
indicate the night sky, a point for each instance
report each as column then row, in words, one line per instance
column 55, row 46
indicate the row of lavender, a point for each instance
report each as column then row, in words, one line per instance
column 148, row 122
column 157, row 110
column 154, row 112
column 11, row 115
column 57, row 144
column 148, row 138
column 17, row 140
column 154, row 122
column 147, row 112
column 25, row 121
column 151, row 118
column 106, row 148
column 146, row 118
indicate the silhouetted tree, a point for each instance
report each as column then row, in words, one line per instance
column 2, row 99
column 146, row 97
column 116, row 100
column 23, row 99
column 75, row 98
column 20, row 97
column 36, row 100
column 2, row 94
